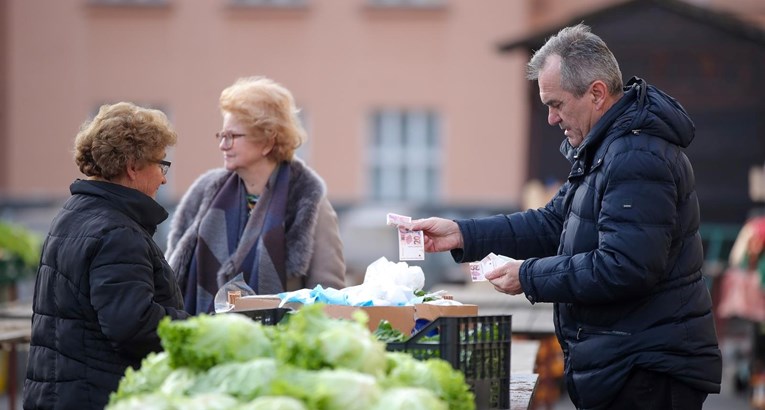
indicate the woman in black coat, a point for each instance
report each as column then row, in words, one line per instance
column 103, row 284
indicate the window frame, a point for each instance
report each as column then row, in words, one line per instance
column 404, row 155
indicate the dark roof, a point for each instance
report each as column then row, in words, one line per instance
column 724, row 21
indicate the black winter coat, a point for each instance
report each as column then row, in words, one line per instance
column 619, row 252
column 102, row 287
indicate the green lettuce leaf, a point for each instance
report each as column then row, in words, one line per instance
column 153, row 371
column 204, row 341
column 274, row 403
column 410, row 398
column 433, row 374
column 311, row 340
column 329, row 389
column 245, row 381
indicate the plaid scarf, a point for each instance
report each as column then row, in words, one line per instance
column 233, row 240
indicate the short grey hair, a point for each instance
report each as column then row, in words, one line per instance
column 585, row 58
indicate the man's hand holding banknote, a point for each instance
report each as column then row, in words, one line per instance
column 504, row 275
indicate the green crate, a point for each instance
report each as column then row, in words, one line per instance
column 478, row 346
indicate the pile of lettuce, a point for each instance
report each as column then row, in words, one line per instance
column 311, row 362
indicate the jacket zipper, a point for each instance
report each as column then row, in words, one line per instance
column 600, row 332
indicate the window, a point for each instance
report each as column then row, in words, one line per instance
column 269, row 3
column 304, row 151
column 407, row 3
column 137, row 3
column 404, row 157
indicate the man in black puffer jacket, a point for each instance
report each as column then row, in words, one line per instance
column 103, row 284
column 617, row 249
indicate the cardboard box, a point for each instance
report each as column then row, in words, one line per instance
column 400, row 317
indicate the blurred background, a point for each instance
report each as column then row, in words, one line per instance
column 418, row 107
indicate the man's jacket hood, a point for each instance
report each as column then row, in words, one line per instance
column 645, row 108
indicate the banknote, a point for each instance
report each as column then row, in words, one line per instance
column 411, row 245
column 396, row 219
column 492, row 261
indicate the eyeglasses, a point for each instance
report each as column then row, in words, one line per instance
column 227, row 137
column 164, row 166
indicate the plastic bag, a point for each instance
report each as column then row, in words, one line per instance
column 383, row 272
column 228, row 293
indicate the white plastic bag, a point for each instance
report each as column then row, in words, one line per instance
column 237, row 288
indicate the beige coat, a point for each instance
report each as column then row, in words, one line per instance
column 314, row 254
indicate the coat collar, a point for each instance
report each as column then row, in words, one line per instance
column 613, row 119
column 133, row 203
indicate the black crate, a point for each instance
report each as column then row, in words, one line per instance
column 266, row 316
column 478, row 346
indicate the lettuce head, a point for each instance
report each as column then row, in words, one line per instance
column 204, row 341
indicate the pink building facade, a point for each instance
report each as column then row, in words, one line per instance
column 406, row 103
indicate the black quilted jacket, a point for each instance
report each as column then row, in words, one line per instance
column 102, row 287
column 618, row 251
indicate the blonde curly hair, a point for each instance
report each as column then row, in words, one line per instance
column 119, row 133
column 264, row 105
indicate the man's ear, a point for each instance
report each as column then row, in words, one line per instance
column 598, row 93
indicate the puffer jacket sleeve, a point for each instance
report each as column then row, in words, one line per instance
column 122, row 292
column 535, row 232
column 327, row 264
column 637, row 214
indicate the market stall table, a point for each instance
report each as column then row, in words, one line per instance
column 522, row 387
column 13, row 332
column 523, row 380
column 523, row 356
column 16, row 310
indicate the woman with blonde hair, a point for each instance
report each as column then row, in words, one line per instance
column 264, row 214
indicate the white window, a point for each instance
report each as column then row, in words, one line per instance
column 269, row 3
column 407, row 3
column 404, row 157
column 304, row 151
column 152, row 3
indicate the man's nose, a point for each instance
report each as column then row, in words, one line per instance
column 552, row 117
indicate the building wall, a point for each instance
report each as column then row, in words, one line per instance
column 544, row 13
column 341, row 58
column 3, row 91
